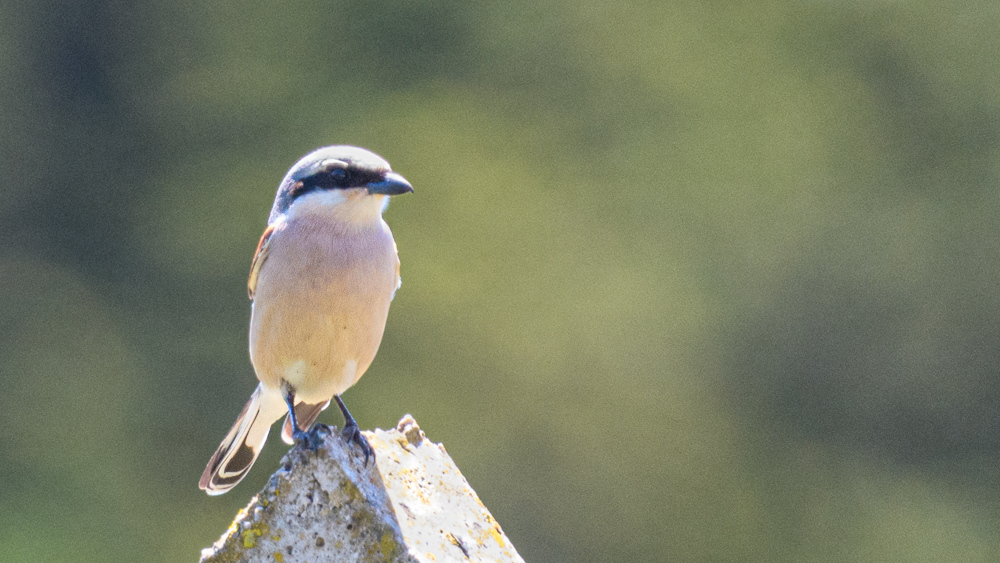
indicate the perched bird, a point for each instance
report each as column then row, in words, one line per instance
column 321, row 281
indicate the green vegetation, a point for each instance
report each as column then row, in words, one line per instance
column 682, row 281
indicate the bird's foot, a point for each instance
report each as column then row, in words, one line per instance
column 352, row 434
column 313, row 438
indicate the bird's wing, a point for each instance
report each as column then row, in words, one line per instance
column 258, row 260
column 399, row 280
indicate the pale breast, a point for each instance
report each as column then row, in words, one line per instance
column 320, row 306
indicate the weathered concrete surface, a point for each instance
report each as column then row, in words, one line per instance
column 411, row 505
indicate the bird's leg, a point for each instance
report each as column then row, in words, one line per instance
column 309, row 440
column 351, row 431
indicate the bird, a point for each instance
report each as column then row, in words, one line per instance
column 321, row 281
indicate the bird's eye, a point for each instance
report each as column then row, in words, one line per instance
column 340, row 176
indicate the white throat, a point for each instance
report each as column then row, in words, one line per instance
column 351, row 207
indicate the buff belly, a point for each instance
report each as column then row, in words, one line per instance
column 319, row 312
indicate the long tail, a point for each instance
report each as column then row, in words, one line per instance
column 241, row 446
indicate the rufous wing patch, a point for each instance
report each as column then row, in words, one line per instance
column 258, row 260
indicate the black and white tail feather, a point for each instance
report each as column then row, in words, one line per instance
column 241, row 446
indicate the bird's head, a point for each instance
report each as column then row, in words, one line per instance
column 351, row 182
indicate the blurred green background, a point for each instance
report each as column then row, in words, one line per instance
column 692, row 281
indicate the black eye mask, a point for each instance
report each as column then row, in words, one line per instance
column 338, row 178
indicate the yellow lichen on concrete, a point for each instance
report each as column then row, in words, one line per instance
column 495, row 530
column 351, row 490
column 388, row 545
column 411, row 506
column 234, row 526
column 404, row 443
column 255, row 531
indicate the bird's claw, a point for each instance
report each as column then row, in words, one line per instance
column 352, row 434
column 311, row 439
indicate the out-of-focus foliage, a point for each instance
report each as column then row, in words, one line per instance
column 687, row 281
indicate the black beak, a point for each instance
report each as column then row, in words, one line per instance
column 391, row 184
